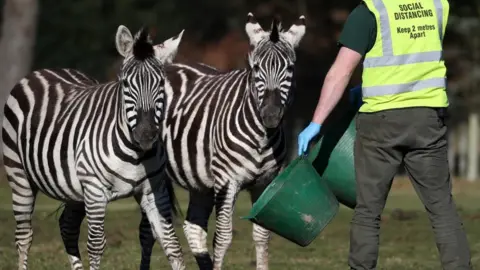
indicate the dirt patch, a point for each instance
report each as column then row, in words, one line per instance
column 403, row 215
column 475, row 216
column 459, row 185
column 115, row 239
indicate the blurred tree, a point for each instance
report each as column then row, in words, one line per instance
column 80, row 34
column 463, row 60
column 18, row 34
column 17, row 40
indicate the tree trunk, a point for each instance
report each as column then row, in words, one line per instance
column 452, row 151
column 462, row 150
column 16, row 45
column 472, row 147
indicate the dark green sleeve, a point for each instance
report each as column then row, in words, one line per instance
column 360, row 30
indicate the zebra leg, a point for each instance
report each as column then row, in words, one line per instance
column 195, row 227
column 23, row 202
column 147, row 241
column 156, row 205
column 95, row 208
column 261, row 236
column 225, row 197
column 70, row 222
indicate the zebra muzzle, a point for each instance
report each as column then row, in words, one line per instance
column 271, row 116
column 146, row 139
column 271, row 111
column 146, row 133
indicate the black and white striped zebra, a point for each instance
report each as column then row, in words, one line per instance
column 223, row 134
column 88, row 144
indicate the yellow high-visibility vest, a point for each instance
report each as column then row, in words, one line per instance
column 405, row 67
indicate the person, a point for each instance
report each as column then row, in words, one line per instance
column 401, row 120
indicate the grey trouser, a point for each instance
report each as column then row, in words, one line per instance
column 416, row 138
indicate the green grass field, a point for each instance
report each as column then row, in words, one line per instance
column 406, row 237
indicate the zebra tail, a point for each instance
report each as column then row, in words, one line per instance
column 176, row 209
column 62, row 205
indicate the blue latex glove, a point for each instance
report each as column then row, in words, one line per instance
column 306, row 136
column 355, row 95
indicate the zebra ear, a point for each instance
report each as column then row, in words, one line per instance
column 123, row 41
column 295, row 34
column 254, row 30
column 166, row 51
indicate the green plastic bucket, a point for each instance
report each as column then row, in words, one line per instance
column 302, row 200
column 332, row 157
column 297, row 205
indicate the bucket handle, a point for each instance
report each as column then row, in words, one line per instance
column 313, row 153
column 249, row 217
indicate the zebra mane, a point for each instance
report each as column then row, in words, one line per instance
column 143, row 46
column 275, row 30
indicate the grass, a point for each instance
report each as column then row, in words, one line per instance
column 406, row 237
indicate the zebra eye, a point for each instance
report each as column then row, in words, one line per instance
column 162, row 82
column 125, row 84
column 290, row 68
column 256, row 67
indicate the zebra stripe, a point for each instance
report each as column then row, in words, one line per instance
column 88, row 144
column 223, row 134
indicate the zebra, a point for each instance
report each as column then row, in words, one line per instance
column 87, row 144
column 223, row 133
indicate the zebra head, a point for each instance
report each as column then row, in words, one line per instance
column 142, row 80
column 272, row 59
